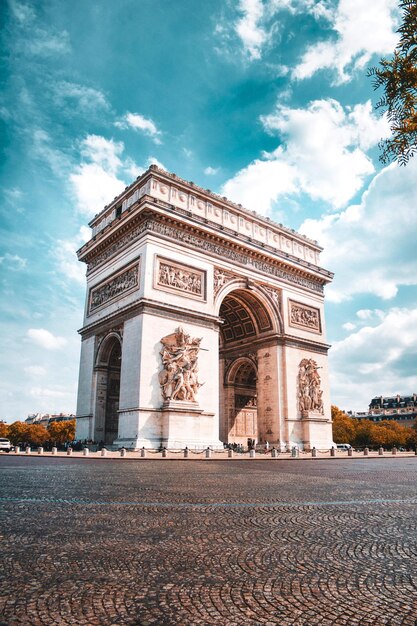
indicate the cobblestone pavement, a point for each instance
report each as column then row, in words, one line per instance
column 313, row 542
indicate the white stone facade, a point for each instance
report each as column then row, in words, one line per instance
column 167, row 255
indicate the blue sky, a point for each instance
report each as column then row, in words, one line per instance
column 264, row 101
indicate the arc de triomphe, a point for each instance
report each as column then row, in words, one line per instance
column 204, row 323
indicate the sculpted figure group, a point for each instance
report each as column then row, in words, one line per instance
column 310, row 396
column 179, row 378
column 178, row 278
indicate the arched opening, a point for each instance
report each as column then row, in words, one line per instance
column 108, row 390
column 245, row 323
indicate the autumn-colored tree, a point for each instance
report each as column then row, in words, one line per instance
column 343, row 426
column 18, row 432
column 389, row 434
column 4, row 430
column 37, row 434
column 364, row 434
column 60, row 432
column 398, row 78
column 32, row 434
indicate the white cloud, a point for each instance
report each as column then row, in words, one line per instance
column 65, row 254
column 13, row 262
column 141, row 123
column 349, row 326
column 361, row 29
column 376, row 360
column 249, row 29
column 96, row 183
column 211, row 171
column 45, row 339
column 85, row 98
column 45, row 392
column 322, row 156
column 371, row 246
column 35, row 370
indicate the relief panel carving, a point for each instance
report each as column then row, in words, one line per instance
column 120, row 284
column 304, row 316
column 310, row 396
column 179, row 376
column 184, row 280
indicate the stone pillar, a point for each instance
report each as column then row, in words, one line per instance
column 54, row 451
column 69, row 451
column 28, row 450
column 40, row 450
column 164, row 453
column 274, row 453
column 366, row 452
column 86, row 451
column 394, row 450
column 314, row 452
column 17, row 450
column 381, row 451
column 143, row 452
column 208, row 453
column 230, row 454
column 252, row 454
column 103, row 452
column 186, row 451
column 350, row 452
column 332, row 451
column 123, row 452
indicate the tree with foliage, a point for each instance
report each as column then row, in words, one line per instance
column 4, row 430
column 61, row 432
column 32, row 434
column 398, row 78
column 343, row 426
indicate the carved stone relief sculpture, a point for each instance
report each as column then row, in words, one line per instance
column 179, row 376
column 310, row 396
column 221, row 278
column 303, row 316
column 122, row 283
column 176, row 277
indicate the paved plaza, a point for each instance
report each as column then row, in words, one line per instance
column 286, row 542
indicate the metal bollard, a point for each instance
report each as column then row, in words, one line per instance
column 366, row 452
column 28, row 450
column 394, row 451
column 164, row 453
column 350, row 452
column 69, row 451
column 123, row 452
column 186, row 451
column 54, row 451
column 230, row 453
column 40, row 450
column 381, row 451
column 332, row 451
column 17, row 450
column 143, row 452
column 208, row 453
column 103, row 452
column 86, row 451
column 314, row 452
column 274, row 453
column 252, row 454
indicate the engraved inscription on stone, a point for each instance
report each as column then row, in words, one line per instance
column 182, row 279
column 120, row 284
column 303, row 316
column 310, row 396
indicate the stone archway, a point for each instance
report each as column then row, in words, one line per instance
column 248, row 325
column 108, row 368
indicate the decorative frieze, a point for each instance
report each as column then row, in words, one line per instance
column 304, row 316
column 182, row 279
column 120, row 284
column 203, row 243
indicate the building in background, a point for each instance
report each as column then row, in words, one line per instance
column 400, row 409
